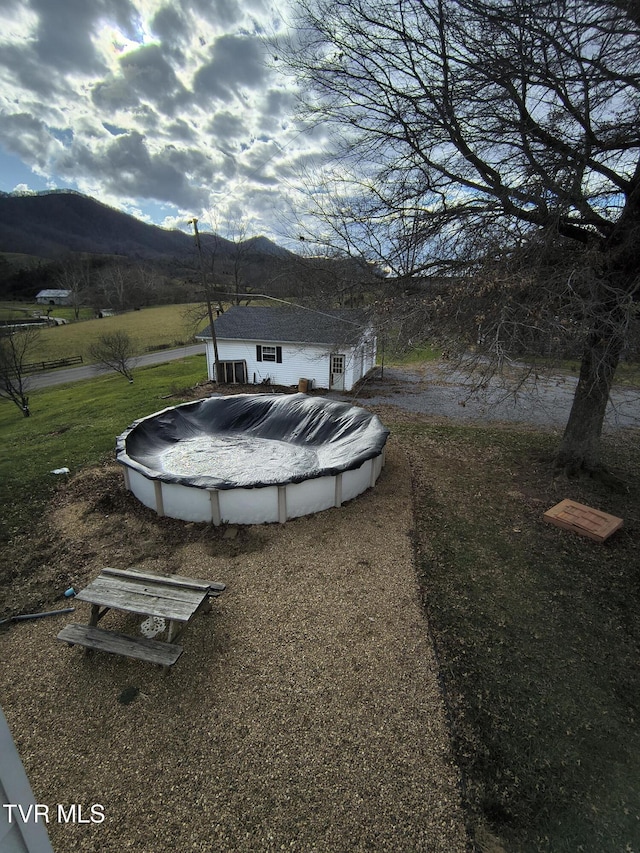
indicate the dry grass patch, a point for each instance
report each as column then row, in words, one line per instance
column 537, row 632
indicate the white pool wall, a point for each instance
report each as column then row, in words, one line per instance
column 257, row 505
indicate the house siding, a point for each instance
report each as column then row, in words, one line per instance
column 299, row 361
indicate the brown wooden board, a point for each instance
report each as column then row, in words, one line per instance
column 141, row 648
column 172, row 580
column 145, row 597
column 214, row 587
column 582, row 519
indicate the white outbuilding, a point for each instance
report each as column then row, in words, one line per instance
column 332, row 348
column 54, row 297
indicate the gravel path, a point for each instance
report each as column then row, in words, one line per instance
column 304, row 715
column 437, row 389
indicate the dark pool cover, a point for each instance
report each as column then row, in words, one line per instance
column 251, row 440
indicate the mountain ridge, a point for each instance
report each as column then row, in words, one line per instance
column 53, row 223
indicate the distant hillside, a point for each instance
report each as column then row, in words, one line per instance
column 51, row 224
column 129, row 263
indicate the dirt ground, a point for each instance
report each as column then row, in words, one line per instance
column 305, row 713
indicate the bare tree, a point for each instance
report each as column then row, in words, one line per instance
column 237, row 263
column 146, row 284
column 75, row 276
column 238, row 258
column 115, row 350
column 208, row 299
column 330, row 279
column 114, row 284
column 16, row 348
column 466, row 127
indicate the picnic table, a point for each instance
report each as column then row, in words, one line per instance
column 174, row 598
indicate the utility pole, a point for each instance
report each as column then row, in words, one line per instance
column 207, row 295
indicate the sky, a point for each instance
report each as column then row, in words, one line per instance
column 166, row 109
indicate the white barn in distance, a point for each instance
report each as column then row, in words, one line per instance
column 332, row 348
column 53, row 297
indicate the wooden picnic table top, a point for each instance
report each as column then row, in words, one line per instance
column 172, row 598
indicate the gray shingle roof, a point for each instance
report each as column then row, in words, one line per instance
column 288, row 325
column 52, row 294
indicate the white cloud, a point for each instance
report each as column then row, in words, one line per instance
column 22, row 189
column 30, row 138
column 136, row 101
column 180, row 222
column 18, row 23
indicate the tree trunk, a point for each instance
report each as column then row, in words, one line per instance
column 579, row 450
column 580, row 447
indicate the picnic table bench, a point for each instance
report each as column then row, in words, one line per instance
column 175, row 598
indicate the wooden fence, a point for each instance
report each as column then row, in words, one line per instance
column 51, row 365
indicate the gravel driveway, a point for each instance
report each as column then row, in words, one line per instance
column 440, row 390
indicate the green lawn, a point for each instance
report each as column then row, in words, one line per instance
column 165, row 325
column 19, row 310
column 415, row 356
column 76, row 425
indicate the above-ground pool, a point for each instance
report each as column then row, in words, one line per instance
column 252, row 458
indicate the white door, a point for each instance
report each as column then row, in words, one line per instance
column 337, row 372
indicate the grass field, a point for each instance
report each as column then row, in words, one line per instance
column 417, row 355
column 75, row 425
column 19, row 310
column 149, row 328
column 537, row 630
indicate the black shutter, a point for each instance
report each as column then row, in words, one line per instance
column 279, row 355
column 258, row 352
